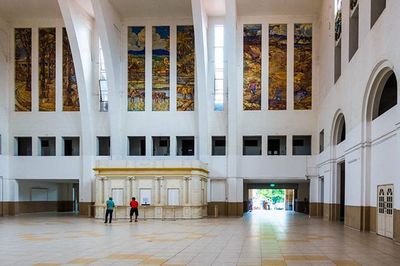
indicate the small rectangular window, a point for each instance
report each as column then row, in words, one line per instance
column 0, row 145
column 321, row 141
column 218, row 146
column 301, row 145
column 47, row 146
column 185, row 146
column 71, row 146
column 24, row 146
column 252, row 145
column 161, row 146
column 137, row 146
column 103, row 146
column 276, row 145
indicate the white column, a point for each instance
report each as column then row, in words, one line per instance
column 79, row 26
column 233, row 104
column 99, row 190
column 396, row 184
column 109, row 25
column 158, row 187
column 162, row 191
column 133, row 189
column 190, row 191
column 201, row 107
column 128, row 189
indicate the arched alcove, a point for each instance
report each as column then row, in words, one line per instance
column 382, row 94
column 338, row 128
column 386, row 97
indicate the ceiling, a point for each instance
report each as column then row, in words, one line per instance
column 215, row 7
column 87, row 6
column 152, row 8
column 49, row 9
column 29, row 9
column 278, row 7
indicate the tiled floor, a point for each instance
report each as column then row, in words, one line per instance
column 261, row 238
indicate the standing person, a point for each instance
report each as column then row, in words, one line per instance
column 306, row 203
column 110, row 208
column 134, row 209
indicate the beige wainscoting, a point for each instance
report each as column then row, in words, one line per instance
column 20, row 207
column 396, row 225
column 316, row 209
column 331, row 211
column 225, row 209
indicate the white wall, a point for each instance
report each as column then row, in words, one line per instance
column 349, row 95
column 55, row 191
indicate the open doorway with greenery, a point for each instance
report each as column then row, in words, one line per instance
column 271, row 199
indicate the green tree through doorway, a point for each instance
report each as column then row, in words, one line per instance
column 272, row 195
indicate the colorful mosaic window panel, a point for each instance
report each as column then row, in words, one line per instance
column 70, row 84
column 252, row 67
column 136, row 68
column 185, row 68
column 23, row 70
column 160, row 68
column 277, row 67
column 47, row 69
column 302, row 66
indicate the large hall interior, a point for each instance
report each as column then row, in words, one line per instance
column 249, row 132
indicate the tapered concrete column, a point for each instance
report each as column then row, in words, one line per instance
column 79, row 26
column 109, row 25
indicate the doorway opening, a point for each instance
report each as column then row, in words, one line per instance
column 342, row 190
column 271, row 199
column 75, row 198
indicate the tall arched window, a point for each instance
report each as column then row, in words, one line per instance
column 341, row 129
column 338, row 133
column 386, row 95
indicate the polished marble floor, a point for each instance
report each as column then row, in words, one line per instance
column 259, row 238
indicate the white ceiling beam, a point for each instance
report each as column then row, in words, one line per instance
column 233, row 103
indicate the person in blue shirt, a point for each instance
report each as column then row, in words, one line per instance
column 110, row 208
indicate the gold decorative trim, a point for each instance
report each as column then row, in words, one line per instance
column 125, row 169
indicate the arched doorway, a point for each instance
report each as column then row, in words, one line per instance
column 380, row 99
column 338, row 137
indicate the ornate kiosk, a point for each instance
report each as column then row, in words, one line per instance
column 164, row 189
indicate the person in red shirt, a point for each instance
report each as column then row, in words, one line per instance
column 134, row 209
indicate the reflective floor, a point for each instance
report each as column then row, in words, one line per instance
column 259, row 238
